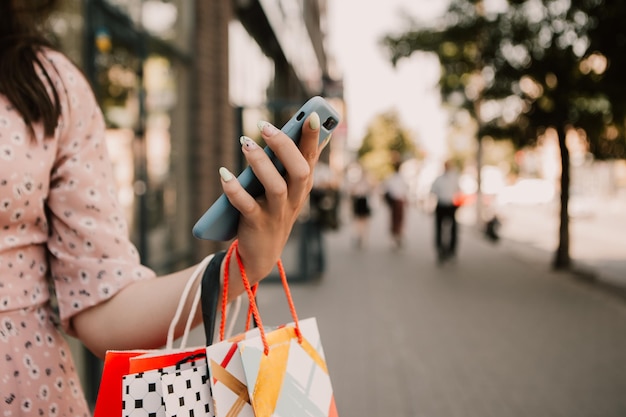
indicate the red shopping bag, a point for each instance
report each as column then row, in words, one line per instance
column 119, row 364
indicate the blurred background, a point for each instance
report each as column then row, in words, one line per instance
column 525, row 97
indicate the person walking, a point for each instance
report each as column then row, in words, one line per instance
column 446, row 190
column 360, row 188
column 396, row 196
column 63, row 229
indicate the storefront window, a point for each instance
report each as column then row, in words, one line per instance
column 130, row 8
column 249, row 84
column 138, row 89
column 117, row 87
column 66, row 26
column 161, row 98
column 168, row 20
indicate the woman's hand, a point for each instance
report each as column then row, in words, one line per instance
column 139, row 315
column 266, row 222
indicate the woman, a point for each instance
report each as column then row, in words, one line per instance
column 360, row 189
column 61, row 223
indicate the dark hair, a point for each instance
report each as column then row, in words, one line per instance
column 20, row 44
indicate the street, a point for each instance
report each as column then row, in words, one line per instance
column 494, row 333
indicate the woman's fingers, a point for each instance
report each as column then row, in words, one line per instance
column 298, row 163
column 236, row 194
column 310, row 138
column 266, row 221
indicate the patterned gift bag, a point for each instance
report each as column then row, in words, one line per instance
column 291, row 379
column 227, row 378
column 145, row 383
column 185, row 393
column 143, row 393
column 282, row 371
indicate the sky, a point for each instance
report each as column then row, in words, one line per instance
column 371, row 84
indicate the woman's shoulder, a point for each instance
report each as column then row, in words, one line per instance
column 67, row 78
column 60, row 67
column 56, row 57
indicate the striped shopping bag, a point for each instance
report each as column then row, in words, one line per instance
column 280, row 372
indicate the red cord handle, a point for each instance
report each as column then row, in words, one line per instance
column 225, row 296
column 251, row 291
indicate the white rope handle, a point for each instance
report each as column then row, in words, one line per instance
column 196, row 300
column 233, row 317
column 181, row 304
column 236, row 303
column 192, row 314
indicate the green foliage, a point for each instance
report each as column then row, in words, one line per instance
column 385, row 141
column 543, row 63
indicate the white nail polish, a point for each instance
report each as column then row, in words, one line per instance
column 226, row 174
column 267, row 128
column 248, row 143
column 314, row 121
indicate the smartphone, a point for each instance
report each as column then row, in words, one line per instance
column 220, row 221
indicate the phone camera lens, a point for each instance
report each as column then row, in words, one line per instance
column 330, row 123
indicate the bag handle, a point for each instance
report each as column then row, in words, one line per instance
column 181, row 304
column 204, row 292
column 227, row 259
column 234, row 247
column 211, row 296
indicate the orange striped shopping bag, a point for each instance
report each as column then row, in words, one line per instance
column 280, row 372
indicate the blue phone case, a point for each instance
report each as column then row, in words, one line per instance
column 220, row 221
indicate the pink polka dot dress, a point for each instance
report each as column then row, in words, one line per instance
column 60, row 227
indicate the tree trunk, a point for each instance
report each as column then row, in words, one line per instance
column 562, row 258
column 480, row 220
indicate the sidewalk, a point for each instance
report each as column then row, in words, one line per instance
column 597, row 243
column 495, row 333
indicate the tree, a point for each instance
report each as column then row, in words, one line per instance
column 545, row 64
column 385, row 140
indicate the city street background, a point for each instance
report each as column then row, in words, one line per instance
column 494, row 333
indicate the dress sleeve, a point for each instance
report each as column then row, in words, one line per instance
column 91, row 256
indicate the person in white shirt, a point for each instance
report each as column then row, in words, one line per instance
column 446, row 190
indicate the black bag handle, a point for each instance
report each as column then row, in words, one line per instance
column 210, row 295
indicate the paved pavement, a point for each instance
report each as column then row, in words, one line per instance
column 496, row 333
column 597, row 238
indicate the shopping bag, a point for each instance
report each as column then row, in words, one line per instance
column 292, row 378
column 133, row 382
column 155, row 383
column 281, row 372
column 144, row 394
column 187, row 393
column 227, row 379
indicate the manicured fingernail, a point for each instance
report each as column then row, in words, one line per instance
column 248, row 143
column 314, row 121
column 324, row 143
column 226, row 174
column 267, row 128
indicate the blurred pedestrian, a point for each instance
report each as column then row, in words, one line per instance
column 446, row 190
column 323, row 215
column 396, row 196
column 360, row 187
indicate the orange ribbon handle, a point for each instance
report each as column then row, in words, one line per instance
column 225, row 295
column 251, row 291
